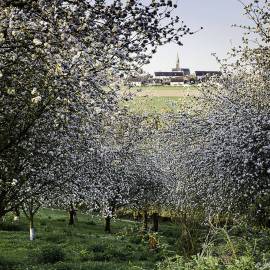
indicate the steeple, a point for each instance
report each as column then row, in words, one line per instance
column 177, row 66
column 177, row 63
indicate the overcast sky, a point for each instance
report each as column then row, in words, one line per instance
column 216, row 16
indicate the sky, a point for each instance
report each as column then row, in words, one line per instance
column 218, row 35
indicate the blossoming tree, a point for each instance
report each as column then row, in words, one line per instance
column 56, row 57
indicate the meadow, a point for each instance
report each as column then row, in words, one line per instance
column 169, row 91
column 162, row 99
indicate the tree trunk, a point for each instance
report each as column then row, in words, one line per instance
column 2, row 219
column 108, row 224
column 268, row 223
column 145, row 220
column 138, row 216
column 32, row 229
column 72, row 215
column 155, row 222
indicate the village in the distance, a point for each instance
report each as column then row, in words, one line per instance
column 176, row 77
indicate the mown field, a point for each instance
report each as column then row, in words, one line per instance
column 162, row 99
column 169, row 91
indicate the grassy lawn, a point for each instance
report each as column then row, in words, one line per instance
column 162, row 99
column 83, row 246
column 164, row 91
column 159, row 105
column 168, row 88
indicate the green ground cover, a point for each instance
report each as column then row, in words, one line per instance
column 84, row 246
column 168, row 88
column 162, row 99
column 159, row 105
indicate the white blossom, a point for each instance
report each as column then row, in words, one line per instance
column 37, row 41
column 36, row 99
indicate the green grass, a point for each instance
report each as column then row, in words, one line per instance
column 158, row 105
column 167, row 88
column 162, row 99
column 86, row 246
column 83, row 246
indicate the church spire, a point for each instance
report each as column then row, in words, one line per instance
column 177, row 63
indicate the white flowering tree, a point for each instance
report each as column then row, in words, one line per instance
column 56, row 57
column 111, row 180
column 223, row 145
column 153, row 178
column 149, row 190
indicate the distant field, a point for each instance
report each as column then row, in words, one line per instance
column 162, row 99
column 167, row 91
column 161, row 104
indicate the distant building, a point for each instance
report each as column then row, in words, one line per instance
column 177, row 81
column 168, row 74
column 179, row 76
column 139, row 80
column 135, row 82
column 186, row 71
column 155, row 82
column 200, row 75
